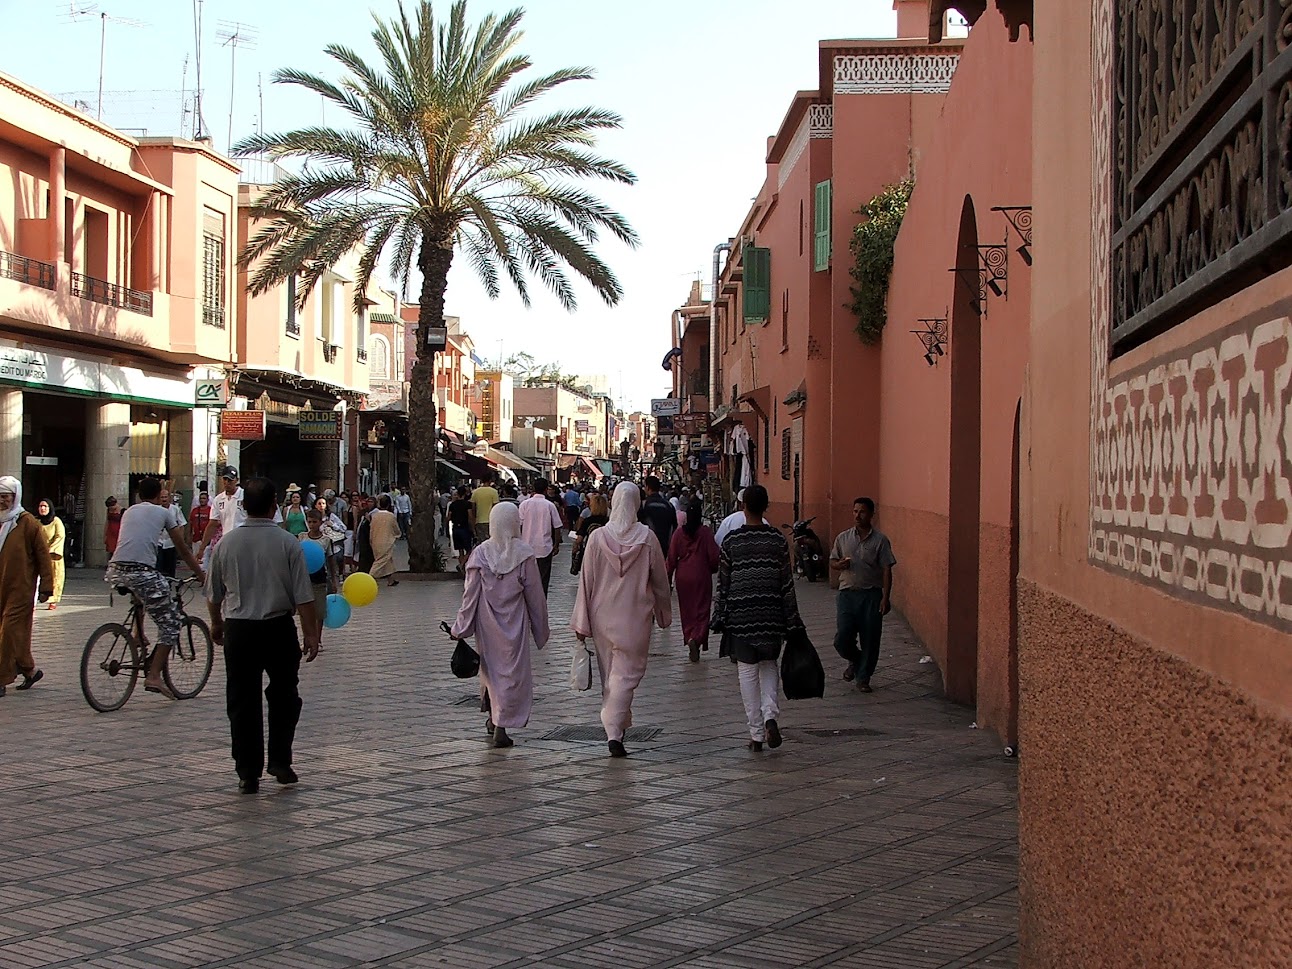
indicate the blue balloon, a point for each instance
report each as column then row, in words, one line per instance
column 337, row 613
column 315, row 558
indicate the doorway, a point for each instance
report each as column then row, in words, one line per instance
column 966, row 467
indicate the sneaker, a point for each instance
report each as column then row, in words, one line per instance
column 850, row 673
column 283, row 775
column 773, row 734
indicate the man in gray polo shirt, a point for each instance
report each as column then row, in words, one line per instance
column 257, row 581
column 863, row 557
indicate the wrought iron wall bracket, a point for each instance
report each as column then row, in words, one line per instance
column 933, row 337
column 974, row 280
column 995, row 268
column 1019, row 218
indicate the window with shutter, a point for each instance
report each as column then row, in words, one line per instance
column 787, row 451
column 822, row 200
column 758, row 284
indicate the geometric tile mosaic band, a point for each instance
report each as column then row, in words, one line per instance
column 1190, row 477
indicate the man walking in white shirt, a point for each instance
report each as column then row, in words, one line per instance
column 540, row 529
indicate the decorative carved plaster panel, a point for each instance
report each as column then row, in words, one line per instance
column 798, row 144
column 894, row 73
column 821, row 120
column 1191, row 452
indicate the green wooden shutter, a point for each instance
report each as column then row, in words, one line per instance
column 758, row 284
column 821, row 226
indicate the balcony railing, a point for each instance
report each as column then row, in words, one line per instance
column 293, row 327
column 361, row 355
column 112, row 294
column 25, row 270
column 330, row 353
column 213, row 316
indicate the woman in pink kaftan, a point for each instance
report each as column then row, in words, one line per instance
column 503, row 601
column 692, row 563
column 623, row 586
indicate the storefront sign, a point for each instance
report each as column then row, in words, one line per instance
column 40, row 369
column 691, row 423
column 211, row 393
column 667, row 407
column 242, row 425
column 581, row 427
column 319, row 425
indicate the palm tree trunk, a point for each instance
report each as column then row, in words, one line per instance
column 433, row 261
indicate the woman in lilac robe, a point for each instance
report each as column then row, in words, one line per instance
column 502, row 600
column 623, row 586
column 692, row 563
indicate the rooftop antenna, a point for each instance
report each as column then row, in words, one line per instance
column 260, row 90
column 199, row 120
column 79, row 12
column 233, row 35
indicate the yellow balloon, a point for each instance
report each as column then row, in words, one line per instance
column 359, row 590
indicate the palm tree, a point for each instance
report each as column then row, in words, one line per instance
column 441, row 155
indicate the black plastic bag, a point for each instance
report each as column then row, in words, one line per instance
column 802, row 675
column 465, row 662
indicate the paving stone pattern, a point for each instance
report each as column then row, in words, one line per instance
column 410, row 843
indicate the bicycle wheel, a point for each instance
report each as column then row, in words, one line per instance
column 110, row 666
column 189, row 665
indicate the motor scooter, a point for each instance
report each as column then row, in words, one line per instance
column 809, row 558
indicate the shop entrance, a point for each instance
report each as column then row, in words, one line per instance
column 284, row 458
column 53, row 448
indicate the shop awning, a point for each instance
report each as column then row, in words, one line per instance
column 564, row 461
column 587, row 463
column 451, row 466
column 508, row 460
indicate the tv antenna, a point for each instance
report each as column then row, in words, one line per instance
column 233, row 35
column 76, row 13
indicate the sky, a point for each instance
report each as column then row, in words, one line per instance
column 701, row 84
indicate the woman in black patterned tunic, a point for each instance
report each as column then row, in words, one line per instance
column 757, row 609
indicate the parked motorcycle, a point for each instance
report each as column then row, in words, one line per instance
column 809, row 557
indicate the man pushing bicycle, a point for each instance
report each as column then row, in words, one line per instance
column 134, row 566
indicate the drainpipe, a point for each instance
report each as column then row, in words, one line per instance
column 714, row 397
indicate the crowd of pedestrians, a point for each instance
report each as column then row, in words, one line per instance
column 631, row 548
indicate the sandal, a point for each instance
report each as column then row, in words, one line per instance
column 161, row 688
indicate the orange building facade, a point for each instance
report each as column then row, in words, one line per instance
column 1155, row 668
column 1079, row 439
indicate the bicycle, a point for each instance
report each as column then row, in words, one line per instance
column 116, row 653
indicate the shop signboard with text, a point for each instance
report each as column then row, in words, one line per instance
column 242, row 425
column 319, row 425
column 665, row 407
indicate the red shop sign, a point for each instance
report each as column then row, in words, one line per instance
column 242, row 425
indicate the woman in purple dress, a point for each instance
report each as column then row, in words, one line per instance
column 502, row 606
column 692, row 562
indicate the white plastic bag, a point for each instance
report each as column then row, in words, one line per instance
column 581, row 668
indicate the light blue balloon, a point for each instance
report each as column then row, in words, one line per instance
column 337, row 613
column 315, row 558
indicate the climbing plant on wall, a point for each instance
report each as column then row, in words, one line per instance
column 872, row 244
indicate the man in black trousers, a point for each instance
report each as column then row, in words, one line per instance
column 256, row 583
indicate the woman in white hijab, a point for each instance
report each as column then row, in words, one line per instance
column 623, row 586
column 24, row 561
column 502, row 601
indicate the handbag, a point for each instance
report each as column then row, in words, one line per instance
column 581, row 668
column 802, row 675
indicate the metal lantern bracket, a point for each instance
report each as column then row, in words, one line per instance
column 933, row 337
column 989, row 276
column 1019, row 218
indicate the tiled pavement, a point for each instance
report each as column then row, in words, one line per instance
column 409, row 843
